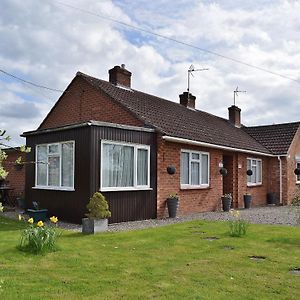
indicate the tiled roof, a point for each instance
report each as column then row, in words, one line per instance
column 175, row 120
column 277, row 138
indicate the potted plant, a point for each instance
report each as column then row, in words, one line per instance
column 271, row 199
column 97, row 215
column 37, row 213
column 247, row 200
column 172, row 203
column 226, row 201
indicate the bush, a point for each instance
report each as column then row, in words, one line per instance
column 38, row 238
column 237, row 226
column 98, row 207
column 295, row 204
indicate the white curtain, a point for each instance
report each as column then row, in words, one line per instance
column 41, row 166
column 53, row 170
column 184, row 168
column 142, row 167
column 204, row 169
column 117, row 166
column 195, row 176
column 67, row 165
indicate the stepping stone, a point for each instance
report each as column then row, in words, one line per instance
column 211, row 238
column 257, row 257
column 295, row 271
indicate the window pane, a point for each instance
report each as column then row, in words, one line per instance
column 253, row 177
column 298, row 167
column 195, row 156
column 67, row 165
column 249, row 168
column 184, row 168
column 117, row 168
column 204, row 169
column 53, row 149
column 142, row 167
column 195, row 178
column 259, row 171
column 41, row 166
column 53, row 171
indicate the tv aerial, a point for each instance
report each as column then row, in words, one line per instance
column 235, row 94
column 190, row 72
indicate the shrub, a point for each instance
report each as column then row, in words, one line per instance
column 237, row 226
column 98, row 207
column 39, row 238
column 295, row 204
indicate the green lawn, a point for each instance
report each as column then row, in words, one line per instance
column 172, row 262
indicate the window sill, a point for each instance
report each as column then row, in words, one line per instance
column 206, row 187
column 53, row 188
column 124, row 189
column 254, row 185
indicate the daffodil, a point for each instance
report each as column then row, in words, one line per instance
column 40, row 224
column 30, row 221
column 54, row 219
column 1, row 207
column 20, row 218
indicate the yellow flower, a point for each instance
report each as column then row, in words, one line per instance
column 40, row 224
column 1, row 207
column 30, row 221
column 20, row 218
column 54, row 219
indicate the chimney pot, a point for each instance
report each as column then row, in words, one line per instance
column 120, row 76
column 187, row 100
column 235, row 115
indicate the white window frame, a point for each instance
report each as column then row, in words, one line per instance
column 297, row 176
column 189, row 185
column 135, row 187
column 53, row 187
column 257, row 182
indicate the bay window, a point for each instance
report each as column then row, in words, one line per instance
column 55, row 165
column 255, row 165
column 124, row 166
column 194, row 169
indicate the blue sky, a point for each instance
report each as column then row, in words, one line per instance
column 47, row 43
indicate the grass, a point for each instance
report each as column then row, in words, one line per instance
column 172, row 262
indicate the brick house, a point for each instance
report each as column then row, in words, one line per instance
column 107, row 136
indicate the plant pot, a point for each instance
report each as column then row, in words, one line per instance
column 21, row 202
column 226, row 203
column 91, row 226
column 172, row 204
column 271, row 199
column 247, row 201
column 37, row 214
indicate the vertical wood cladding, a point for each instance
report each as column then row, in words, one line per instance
column 71, row 205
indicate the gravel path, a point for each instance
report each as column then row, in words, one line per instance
column 280, row 215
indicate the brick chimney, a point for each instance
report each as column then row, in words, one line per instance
column 235, row 115
column 187, row 100
column 120, row 76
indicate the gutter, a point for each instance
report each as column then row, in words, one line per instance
column 203, row 144
column 89, row 123
column 280, row 179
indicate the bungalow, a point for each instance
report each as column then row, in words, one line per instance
column 106, row 136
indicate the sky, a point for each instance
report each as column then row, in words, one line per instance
column 47, row 42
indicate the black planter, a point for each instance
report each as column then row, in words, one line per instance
column 271, row 199
column 247, row 201
column 172, row 204
column 37, row 214
column 226, row 203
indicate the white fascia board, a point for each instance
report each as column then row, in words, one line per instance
column 208, row 145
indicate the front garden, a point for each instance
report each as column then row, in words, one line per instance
column 193, row 260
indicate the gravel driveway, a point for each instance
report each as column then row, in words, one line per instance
column 280, row 215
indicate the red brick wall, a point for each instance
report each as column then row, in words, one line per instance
column 208, row 199
column 15, row 177
column 290, row 180
column 82, row 102
column 194, row 200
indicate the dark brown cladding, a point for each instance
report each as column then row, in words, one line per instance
column 71, row 205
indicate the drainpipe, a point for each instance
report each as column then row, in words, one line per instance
column 280, row 179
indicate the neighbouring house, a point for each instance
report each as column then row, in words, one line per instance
column 15, row 180
column 105, row 136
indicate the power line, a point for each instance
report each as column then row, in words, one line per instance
column 29, row 82
column 108, row 18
